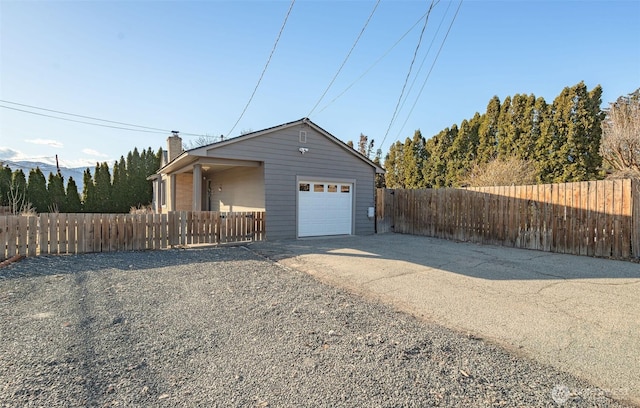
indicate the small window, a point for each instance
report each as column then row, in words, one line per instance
column 332, row 188
column 304, row 186
column 303, row 136
column 345, row 189
column 318, row 188
column 163, row 193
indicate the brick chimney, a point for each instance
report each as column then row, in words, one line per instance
column 174, row 146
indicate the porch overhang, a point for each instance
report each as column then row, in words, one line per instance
column 187, row 163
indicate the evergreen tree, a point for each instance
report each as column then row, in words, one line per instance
column 137, row 179
column 504, row 146
column 540, row 119
column 5, row 185
column 488, row 132
column 585, row 134
column 437, row 150
column 527, row 135
column 120, row 194
column 89, row 197
column 561, row 139
column 102, row 182
column 463, row 151
column 37, row 193
column 57, row 196
column 73, row 203
column 394, row 166
column 548, row 163
column 413, row 161
column 517, row 125
column 568, row 149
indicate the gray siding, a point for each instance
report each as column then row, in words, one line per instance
column 238, row 189
column 283, row 162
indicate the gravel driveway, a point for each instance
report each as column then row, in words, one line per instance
column 225, row 327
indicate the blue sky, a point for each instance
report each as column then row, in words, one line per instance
column 192, row 66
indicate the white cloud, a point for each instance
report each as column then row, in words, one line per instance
column 8, row 153
column 78, row 163
column 47, row 142
column 92, row 152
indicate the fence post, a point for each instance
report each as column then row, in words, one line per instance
column 635, row 217
column 32, row 244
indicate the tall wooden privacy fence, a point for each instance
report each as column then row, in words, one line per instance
column 54, row 233
column 594, row 218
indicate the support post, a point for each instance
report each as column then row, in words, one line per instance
column 197, row 187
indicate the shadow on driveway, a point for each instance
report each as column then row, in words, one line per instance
column 575, row 313
column 473, row 260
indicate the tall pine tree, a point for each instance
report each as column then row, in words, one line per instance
column 568, row 148
column 585, row 134
column 413, row 161
column 463, row 151
column 89, row 197
column 504, row 146
column 437, row 150
column 102, row 182
column 120, row 188
column 57, row 195
column 5, row 185
column 72, row 203
column 394, row 166
column 488, row 132
column 37, row 193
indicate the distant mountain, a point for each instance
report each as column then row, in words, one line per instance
column 46, row 168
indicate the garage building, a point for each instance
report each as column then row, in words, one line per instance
column 307, row 181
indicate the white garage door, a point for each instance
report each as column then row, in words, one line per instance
column 324, row 208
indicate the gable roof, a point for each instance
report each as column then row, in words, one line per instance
column 202, row 150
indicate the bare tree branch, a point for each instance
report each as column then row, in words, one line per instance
column 620, row 146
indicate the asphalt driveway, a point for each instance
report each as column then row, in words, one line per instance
column 578, row 314
column 224, row 327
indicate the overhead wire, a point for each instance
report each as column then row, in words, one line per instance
column 79, row 121
column 80, row 116
column 143, row 129
column 415, row 53
column 345, row 59
column 432, row 65
column 376, row 62
column 426, row 54
column 255, row 89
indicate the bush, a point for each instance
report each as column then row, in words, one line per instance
column 501, row 172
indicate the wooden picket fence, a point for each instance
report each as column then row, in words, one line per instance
column 59, row 233
column 593, row 218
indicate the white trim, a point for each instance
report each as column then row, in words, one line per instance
column 328, row 180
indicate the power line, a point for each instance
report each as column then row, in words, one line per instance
column 78, row 121
column 152, row 129
column 80, row 116
column 433, row 40
column 415, row 53
column 265, row 67
column 432, row 65
column 376, row 62
column 345, row 59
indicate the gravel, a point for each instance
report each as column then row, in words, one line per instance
column 226, row 327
